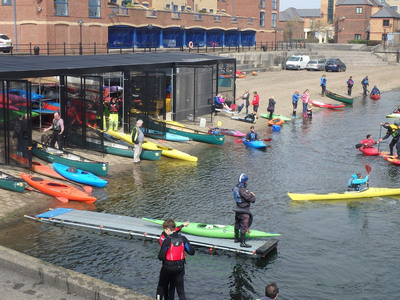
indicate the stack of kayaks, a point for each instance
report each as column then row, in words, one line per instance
column 327, row 105
column 255, row 144
column 11, row 183
column 215, row 231
column 80, row 176
column 36, row 166
column 70, row 159
column 61, row 191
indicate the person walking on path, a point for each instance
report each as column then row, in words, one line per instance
column 137, row 139
column 271, row 106
column 323, row 85
column 350, row 83
column 58, row 128
column 172, row 254
column 295, row 98
column 306, row 98
column 243, row 216
column 245, row 102
column 365, row 85
column 255, row 103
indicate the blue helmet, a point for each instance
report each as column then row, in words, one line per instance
column 243, row 178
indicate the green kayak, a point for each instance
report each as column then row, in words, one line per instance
column 266, row 116
column 215, row 231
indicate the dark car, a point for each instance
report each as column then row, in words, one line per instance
column 334, row 64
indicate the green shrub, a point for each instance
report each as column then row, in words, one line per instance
column 357, row 41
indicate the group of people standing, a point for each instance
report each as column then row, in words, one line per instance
column 246, row 102
column 307, row 103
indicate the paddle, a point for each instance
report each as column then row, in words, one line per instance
column 359, row 145
column 368, row 169
column 268, row 140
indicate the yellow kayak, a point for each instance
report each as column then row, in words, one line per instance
column 165, row 151
column 369, row 193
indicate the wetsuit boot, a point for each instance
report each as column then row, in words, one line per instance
column 243, row 243
column 237, row 239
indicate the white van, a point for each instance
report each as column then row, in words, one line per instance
column 5, row 43
column 297, row 62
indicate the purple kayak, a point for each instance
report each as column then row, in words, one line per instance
column 225, row 131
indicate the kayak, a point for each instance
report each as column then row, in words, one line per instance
column 11, row 183
column 166, row 136
column 255, row 144
column 225, row 131
column 36, row 166
column 369, row 193
column 375, row 96
column 390, row 158
column 276, row 121
column 371, row 151
column 327, row 105
column 338, row 97
column 61, row 191
column 393, row 115
column 214, row 230
column 78, row 175
column 266, row 116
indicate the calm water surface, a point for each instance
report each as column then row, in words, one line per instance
column 328, row 250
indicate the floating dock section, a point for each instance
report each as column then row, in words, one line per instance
column 135, row 227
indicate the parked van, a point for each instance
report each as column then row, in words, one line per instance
column 5, row 43
column 297, row 62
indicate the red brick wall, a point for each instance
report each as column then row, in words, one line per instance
column 349, row 23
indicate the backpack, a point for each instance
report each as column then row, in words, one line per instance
column 236, row 194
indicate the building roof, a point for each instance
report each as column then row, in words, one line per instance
column 309, row 13
column 387, row 12
column 16, row 66
column 290, row 14
column 354, row 2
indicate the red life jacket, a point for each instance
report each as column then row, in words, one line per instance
column 177, row 250
column 113, row 107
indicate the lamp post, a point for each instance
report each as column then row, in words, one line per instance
column 238, row 38
column 183, row 35
column 150, row 26
column 384, row 38
column 80, row 22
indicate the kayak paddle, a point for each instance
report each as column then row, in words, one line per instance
column 359, row 145
column 368, row 169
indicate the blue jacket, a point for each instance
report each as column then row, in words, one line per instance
column 365, row 81
column 356, row 183
column 375, row 90
column 296, row 97
column 323, row 81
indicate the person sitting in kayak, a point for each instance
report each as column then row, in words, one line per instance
column 356, row 181
column 252, row 135
column 394, row 131
column 368, row 142
column 375, row 91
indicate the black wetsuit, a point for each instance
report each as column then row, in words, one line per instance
column 243, row 216
column 395, row 133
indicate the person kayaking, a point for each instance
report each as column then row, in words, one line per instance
column 350, row 83
column 368, row 142
column 243, row 216
column 394, row 131
column 356, row 181
column 252, row 135
column 375, row 91
column 295, row 98
column 323, row 84
column 365, row 85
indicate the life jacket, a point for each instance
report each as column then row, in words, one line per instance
column 395, row 130
column 134, row 134
column 177, row 250
column 236, row 194
column 352, row 185
column 56, row 126
column 113, row 107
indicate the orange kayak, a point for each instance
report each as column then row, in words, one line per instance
column 61, row 191
column 36, row 167
column 276, row 121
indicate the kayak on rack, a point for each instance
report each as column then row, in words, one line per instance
column 225, row 131
column 327, row 105
column 61, row 191
column 255, row 144
column 368, row 193
column 78, row 175
column 156, row 134
column 214, row 230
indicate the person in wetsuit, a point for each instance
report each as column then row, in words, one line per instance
column 243, row 216
column 392, row 130
column 252, row 135
column 355, row 182
column 172, row 254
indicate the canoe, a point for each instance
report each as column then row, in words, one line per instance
column 61, row 191
column 214, row 230
column 393, row 115
column 371, row 151
column 266, row 116
column 70, row 159
column 340, row 98
column 165, row 151
column 36, row 167
column 11, row 183
column 375, row 96
column 226, row 131
column 156, row 134
column 255, row 144
column 369, row 193
column 78, row 175
column 112, row 146
column 327, row 105
column 276, row 121
column 199, row 136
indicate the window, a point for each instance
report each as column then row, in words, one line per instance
column 61, row 7
column 168, row 6
column 262, row 19
column 211, row 11
column 145, row 4
column 175, row 8
column 94, row 9
column 273, row 4
column 357, row 36
column 386, row 23
column 183, row 8
column 273, row 23
column 359, row 10
column 262, row 3
column 6, row 2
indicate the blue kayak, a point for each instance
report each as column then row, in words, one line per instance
column 166, row 136
column 78, row 175
column 255, row 144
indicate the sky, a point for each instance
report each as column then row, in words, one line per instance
column 299, row 4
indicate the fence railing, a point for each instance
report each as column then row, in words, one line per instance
column 101, row 48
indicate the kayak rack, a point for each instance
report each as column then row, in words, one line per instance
column 136, row 227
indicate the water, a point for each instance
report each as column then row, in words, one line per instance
column 328, row 250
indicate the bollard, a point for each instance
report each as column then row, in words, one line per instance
column 36, row 50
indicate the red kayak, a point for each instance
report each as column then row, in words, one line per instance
column 61, row 191
column 390, row 158
column 327, row 105
column 375, row 96
column 370, row 151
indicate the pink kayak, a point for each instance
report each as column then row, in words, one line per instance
column 371, row 151
column 225, row 131
column 327, row 105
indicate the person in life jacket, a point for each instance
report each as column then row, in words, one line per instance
column 114, row 117
column 375, row 91
column 392, row 130
column 252, row 135
column 368, row 142
column 365, row 85
column 323, row 85
column 350, row 83
column 172, row 254
column 243, row 217
column 58, row 128
column 356, row 181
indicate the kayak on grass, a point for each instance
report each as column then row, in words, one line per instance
column 214, row 230
column 78, row 175
column 255, row 144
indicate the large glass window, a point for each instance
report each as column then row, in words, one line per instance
column 273, row 24
column 61, row 7
column 6, row 2
column 94, row 8
column 330, row 11
column 262, row 19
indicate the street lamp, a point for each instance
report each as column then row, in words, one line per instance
column 183, row 34
column 150, row 26
column 238, row 38
column 80, row 22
